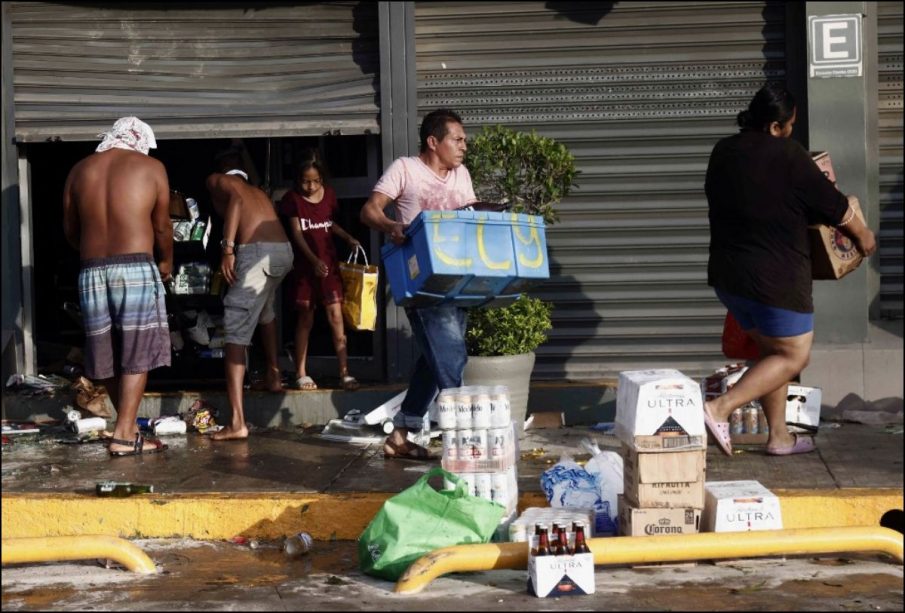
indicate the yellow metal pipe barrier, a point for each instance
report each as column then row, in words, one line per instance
column 58, row 548
column 648, row 549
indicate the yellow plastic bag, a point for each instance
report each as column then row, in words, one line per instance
column 359, row 292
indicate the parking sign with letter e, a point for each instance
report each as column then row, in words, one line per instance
column 835, row 45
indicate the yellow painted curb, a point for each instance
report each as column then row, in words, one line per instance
column 329, row 516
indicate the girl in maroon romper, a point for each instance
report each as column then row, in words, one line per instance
column 310, row 207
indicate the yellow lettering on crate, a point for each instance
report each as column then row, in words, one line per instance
column 533, row 237
column 482, row 251
column 445, row 258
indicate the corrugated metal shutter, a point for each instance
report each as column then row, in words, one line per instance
column 640, row 92
column 195, row 70
column 889, row 46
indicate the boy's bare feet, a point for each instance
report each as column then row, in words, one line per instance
column 228, row 434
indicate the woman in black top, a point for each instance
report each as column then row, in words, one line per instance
column 763, row 189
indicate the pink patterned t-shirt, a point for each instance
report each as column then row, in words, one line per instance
column 416, row 188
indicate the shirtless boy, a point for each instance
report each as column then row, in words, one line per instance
column 256, row 256
column 115, row 213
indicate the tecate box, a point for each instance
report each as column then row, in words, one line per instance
column 803, row 408
column 467, row 258
column 635, row 521
column 740, row 506
column 659, row 410
column 570, row 575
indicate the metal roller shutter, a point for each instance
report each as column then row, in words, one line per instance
column 889, row 44
column 195, row 70
column 640, row 92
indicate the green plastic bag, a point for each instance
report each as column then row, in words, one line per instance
column 420, row 519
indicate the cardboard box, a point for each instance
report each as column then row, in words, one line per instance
column 825, row 164
column 803, row 408
column 466, row 257
column 674, row 466
column 561, row 575
column 664, row 480
column 740, row 506
column 833, row 254
column 659, row 410
column 634, row 521
column 663, row 495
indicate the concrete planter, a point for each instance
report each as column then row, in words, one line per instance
column 513, row 371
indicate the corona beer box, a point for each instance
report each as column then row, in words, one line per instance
column 468, row 258
column 639, row 521
column 659, row 410
column 740, row 506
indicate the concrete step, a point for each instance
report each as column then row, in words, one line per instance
column 583, row 403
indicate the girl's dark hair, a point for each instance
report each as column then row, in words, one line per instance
column 311, row 158
column 772, row 102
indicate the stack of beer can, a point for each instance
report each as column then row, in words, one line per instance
column 479, row 442
column 521, row 528
column 747, row 424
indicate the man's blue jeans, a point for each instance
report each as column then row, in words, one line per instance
column 440, row 334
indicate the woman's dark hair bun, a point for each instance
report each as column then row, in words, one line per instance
column 744, row 119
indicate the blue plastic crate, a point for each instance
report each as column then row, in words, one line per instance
column 466, row 257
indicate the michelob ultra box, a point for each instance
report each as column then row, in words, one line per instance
column 803, row 408
column 740, row 506
column 569, row 575
column 467, row 258
column 659, row 410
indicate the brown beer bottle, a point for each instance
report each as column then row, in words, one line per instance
column 580, row 545
column 543, row 542
column 564, row 540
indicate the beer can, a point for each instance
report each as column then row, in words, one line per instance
column 500, row 410
column 518, row 532
column 450, row 445
column 762, row 425
column 499, row 487
column 470, row 482
column 483, row 488
column 736, row 422
column 479, row 447
column 446, row 411
column 463, row 411
column 464, row 443
column 750, row 420
column 498, row 442
column 90, row 424
column 480, row 410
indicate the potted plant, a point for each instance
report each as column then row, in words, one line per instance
column 531, row 174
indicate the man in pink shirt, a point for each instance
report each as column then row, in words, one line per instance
column 433, row 180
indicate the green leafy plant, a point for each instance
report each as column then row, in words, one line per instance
column 518, row 328
column 529, row 172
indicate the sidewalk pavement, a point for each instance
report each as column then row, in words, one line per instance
column 283, row 480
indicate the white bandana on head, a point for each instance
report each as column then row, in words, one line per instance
column 236, row 171
column 128, row 133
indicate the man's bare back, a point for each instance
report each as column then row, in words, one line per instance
column 249, row 215
column 117, row 202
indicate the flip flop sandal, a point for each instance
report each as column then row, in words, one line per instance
column 803, row 444
column 305, row 383
column 350, row 383
column 405, row 451
column 720, row 432
column 137, row 446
